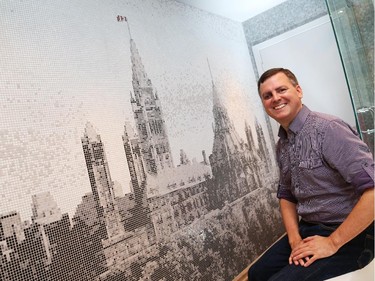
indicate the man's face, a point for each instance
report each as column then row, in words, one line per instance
column 281, row 99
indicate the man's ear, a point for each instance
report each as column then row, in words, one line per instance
column 299, row 91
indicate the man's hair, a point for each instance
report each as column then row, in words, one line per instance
column 274, row 71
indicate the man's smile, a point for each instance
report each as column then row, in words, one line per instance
column 280, row 106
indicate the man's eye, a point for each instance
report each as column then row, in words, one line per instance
column 282, row 90
column 267, row 96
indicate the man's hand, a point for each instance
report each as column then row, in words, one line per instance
column 295, row 246
column 311, row 249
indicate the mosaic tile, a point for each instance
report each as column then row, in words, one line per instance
column 124, row 155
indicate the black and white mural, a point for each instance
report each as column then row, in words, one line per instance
column 133, row 144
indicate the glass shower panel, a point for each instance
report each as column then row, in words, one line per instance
column 352, row 23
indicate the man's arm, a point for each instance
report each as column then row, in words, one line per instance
column 290, row 219
column 317, row 247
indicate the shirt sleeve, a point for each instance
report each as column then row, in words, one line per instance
column 344, row 151
column 283, row 192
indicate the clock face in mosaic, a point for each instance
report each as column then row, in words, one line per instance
column 133, row 146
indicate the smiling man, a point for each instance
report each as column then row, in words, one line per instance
column 326, row 190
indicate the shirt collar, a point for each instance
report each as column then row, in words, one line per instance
column 297, row 122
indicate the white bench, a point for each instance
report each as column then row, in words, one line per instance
column 364, row 274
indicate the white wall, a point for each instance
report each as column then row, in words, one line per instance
column 310, row 51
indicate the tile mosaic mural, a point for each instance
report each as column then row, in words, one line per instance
column 133, row 144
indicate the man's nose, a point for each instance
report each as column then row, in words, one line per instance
column 275, row 97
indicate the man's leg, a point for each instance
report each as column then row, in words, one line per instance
column 320, row 270
column 354, row 255
column 272, row 261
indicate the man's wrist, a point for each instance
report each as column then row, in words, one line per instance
column 335, row 241
column 295, row 240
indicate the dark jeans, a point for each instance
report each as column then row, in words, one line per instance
column 274, row 263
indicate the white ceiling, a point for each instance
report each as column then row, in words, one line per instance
column 237, row 10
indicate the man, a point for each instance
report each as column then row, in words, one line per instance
column 326, row 190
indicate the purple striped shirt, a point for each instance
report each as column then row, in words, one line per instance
column 324, row 167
